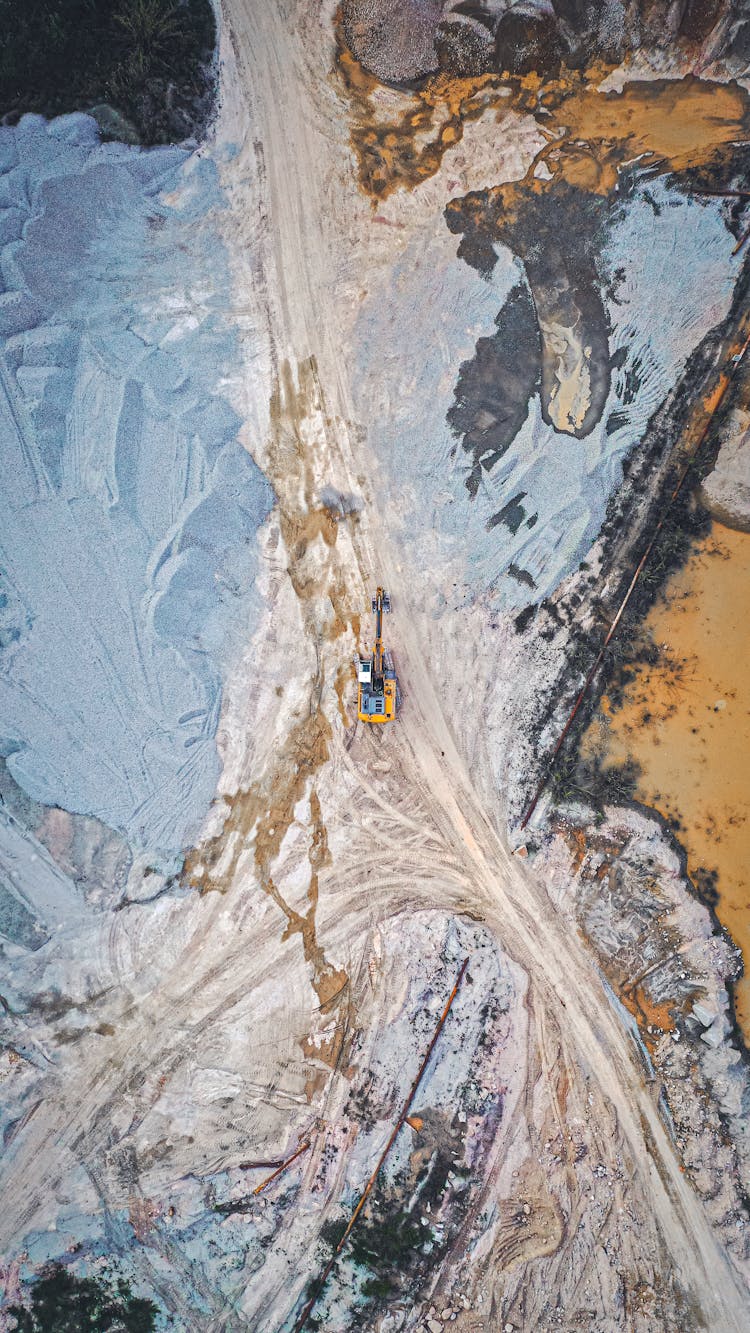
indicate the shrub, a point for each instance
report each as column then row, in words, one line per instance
column 145, row 58
column 60, row 1302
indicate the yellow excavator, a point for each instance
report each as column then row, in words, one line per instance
column 378, row 697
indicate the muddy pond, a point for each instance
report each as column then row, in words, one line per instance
column 686, row 721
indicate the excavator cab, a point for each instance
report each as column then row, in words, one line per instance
column 377, row 686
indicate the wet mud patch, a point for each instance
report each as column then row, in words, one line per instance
column 493, row 389
column 671, row 124
column 400, row 147
column 262, row 815
column 557, row 232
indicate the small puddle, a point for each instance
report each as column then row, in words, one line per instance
column 686, row 721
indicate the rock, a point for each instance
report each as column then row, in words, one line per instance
column 714, row 1035
column 704, row 1013
column 527, row 41
column 464, row 47
column 726, row 490
column 434, row 1326
column 112, row 123
column 394, row 39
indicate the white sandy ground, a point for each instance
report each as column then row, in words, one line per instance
column 128, row 508
column 189, row 1013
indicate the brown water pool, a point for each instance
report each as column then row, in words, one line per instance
column 686, row 721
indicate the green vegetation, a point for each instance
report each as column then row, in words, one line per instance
column 144, row 59
column 706, row 883
column 332, row 1231
column 575, row 778
column 60, row 1302
column 385, row 1244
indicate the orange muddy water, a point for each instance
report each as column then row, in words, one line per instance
column 686, row 721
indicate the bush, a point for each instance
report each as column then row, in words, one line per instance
column 63, row 1303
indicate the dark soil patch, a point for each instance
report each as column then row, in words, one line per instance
column 557, row 231
column 146, row 60
column 493, row 389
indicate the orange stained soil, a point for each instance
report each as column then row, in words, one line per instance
column 262, row 814
column 686, row 721
column 682, row 121
column 398, row 152
column 672, row 123
column 657, row 1017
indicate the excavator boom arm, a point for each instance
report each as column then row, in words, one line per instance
column 378, row 600
column 377, row 684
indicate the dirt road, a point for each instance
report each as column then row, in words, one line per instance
column 309, row 231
